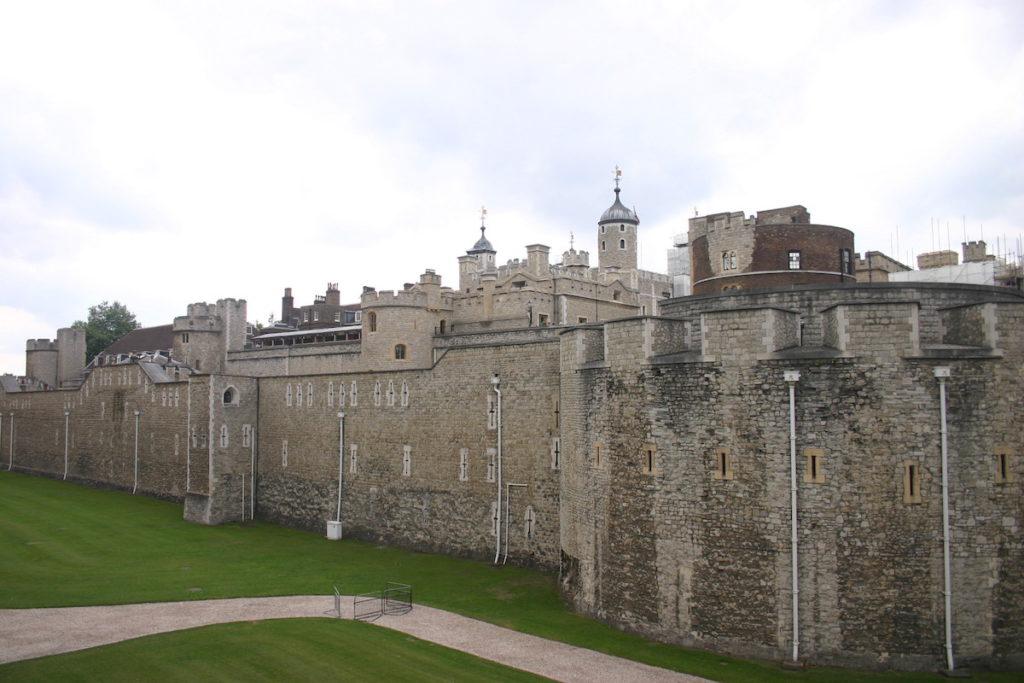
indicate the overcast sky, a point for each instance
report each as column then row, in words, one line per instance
column 159, row 154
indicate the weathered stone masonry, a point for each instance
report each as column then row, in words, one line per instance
column 653, row 454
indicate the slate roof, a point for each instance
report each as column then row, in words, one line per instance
column 143, row 339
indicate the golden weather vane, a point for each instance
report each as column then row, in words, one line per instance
column 618, row 174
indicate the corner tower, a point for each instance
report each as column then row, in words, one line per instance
column 616, row 234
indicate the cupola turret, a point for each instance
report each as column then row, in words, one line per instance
column 616, row 234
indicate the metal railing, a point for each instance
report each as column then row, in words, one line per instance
column 393, row 599
column 397, row 598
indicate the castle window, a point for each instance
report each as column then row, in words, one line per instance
column 649, row 461
column 184, row 337
column 602, row 245
column 177, row 397
column 357, row 317
column 305, row 316
column 405, row 394
column 354, row 395
column 723, row 464
column 733, row 263
column 602, row 229
column 197, row 365
column 337, row 316
column 622, row 228
column 288, row 396
column 1003, row 472
column 316, row 316
column 492, row 412
column 845, row 264
column 463, row 464
column 371, row 320
column 246, row 436
column 615, row 296
column 330, row 394
column 492, row 458
column 391, row 393
column 814, row 465
column 353, row 458
column 284, row 453
column 309, row 394
column 911, row 482
column 441, row 327
column 598, row 455
column 195, row 439
column 376, row 393
column 202, row 439
column 725, row 260
column 542, row 318
column 582, row 320
column 298, row 394
column 529, row 522
column 494, row 518
column 223, row 436
column 556, row 453
column 230, row 396
column 622, row 244
column 399, row 351
column 794, row 259
column 406, row 461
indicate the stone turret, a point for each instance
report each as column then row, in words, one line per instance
column 616, row 236
column 204, row 335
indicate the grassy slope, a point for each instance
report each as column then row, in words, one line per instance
column 70, row 545
column 282, row 649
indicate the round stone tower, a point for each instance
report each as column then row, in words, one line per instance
column 616, row 236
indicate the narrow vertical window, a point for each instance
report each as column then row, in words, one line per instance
column 598, row 447
column 463, row 464
column 492, row 411
column 399, row 351
column 246, row 435
column 177, row 397
column 353, row 458
column 723, row 464
column 309, row 394
column 406, row 461
column 298, row 394
column 494, row 518
column 649, row 461
column 622, row 244
column 371, row 321
column 391, row 393
column 354, row 395
column 732, row 260
column 330, row 394
column 284, row 453
column 794, row 259
column 814, row 465
column 1004, row 473
column 376, row 393
column 223, row 436
column 556, row 453
column 195, row 439
column 492, row 456
column 288, row 396
column 911, row 482
column 529, row 522
column 405, row 394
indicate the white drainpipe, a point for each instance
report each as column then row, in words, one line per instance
column 508, row 496
column 11, row 436
column 252, row 474
column 135, row 486
column 67, row 414
column 496, row 382
column 942, row 373
column 341, row 460
column 792, row 377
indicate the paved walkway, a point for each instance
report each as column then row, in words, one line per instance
column 28, row 633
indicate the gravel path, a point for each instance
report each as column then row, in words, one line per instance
column 28, row 633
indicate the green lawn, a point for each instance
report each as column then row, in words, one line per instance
column 65, row 544
column 281, row 649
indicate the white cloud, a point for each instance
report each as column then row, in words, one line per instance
column 160, row 154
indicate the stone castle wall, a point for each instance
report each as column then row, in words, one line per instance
column 675, row 508
column 101, row 432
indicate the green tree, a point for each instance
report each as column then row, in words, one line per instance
column 106, row 324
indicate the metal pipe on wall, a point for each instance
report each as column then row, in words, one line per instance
column 67, row 414
column 942, row 373
column 252, row 473
column 496, row 383
column 792, row 377
column 135, row 485
column 10, row 435
column 341, row 460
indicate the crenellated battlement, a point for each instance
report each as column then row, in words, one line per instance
column 40, row 345
column 408, row 297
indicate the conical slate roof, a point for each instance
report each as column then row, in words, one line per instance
column 482, row 244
